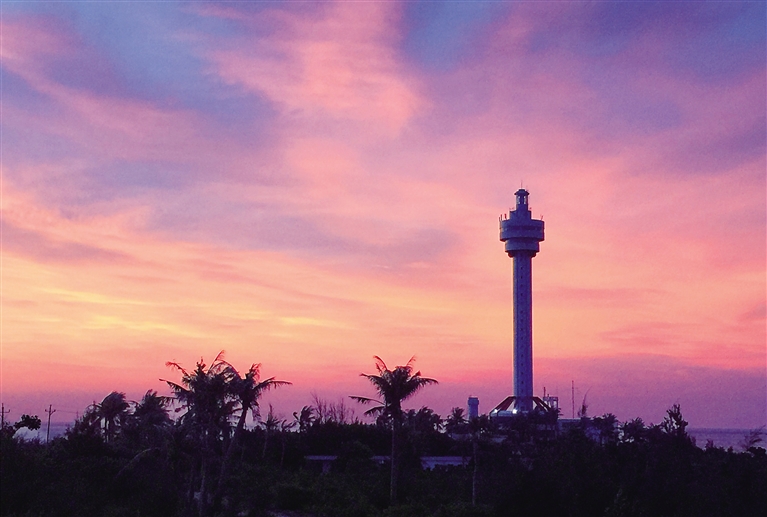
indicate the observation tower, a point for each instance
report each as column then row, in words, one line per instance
column 522, row 236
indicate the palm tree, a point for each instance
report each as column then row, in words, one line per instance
column 206, row 395
column 150, row 418
column 88, row 424
column 112, row 412
column 247, row 390
column 607, row 426
column 271, row 424
column 152, row 409
column 304, row 418
column 633, row 431
column 455, row 421
column 393, row 386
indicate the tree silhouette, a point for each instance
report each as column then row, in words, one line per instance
column 456, row 421
column 607, row 427
column 87, row 425
column 304, row 418
column 674, row 424
column 393, row 386
column 150, row 419
column 30, row 422
column 212, row 396
column 206, row 396
column 112, row 411
column 633, row 431
column 246, row 389
column 480, row 427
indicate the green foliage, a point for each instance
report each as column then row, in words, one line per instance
column 674, row 424
column 112, row 412
column 456, row 421
column 30, row 422
column 149, row 424
column 147, row 465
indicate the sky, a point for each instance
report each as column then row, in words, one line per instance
column 306, row 185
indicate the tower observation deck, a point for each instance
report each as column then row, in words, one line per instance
column 522, row 236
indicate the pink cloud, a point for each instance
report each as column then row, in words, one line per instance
column 341, row 65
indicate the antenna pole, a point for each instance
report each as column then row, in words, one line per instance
column 573, row 396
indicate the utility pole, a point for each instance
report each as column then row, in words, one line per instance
column 2, row 418
column 50, row 411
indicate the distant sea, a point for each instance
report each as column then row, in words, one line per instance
column 723, row 438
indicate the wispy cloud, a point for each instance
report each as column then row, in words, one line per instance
column 337, row 62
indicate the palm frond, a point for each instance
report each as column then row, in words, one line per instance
column 364, row 400
column 177, row 388
column 271, row 383
column 380, row 364
column 375, row 410
column 220, row 365
column 393, row 386
column 171, row 364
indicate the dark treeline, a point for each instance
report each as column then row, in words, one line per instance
column 193, row 456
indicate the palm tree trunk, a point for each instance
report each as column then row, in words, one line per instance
column 203, row 503
column 394, row 462
column 474, row 473
column 228, row 456
column 190, row 487
column 206, row 472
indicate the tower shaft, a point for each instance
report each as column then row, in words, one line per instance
column 523, row 330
